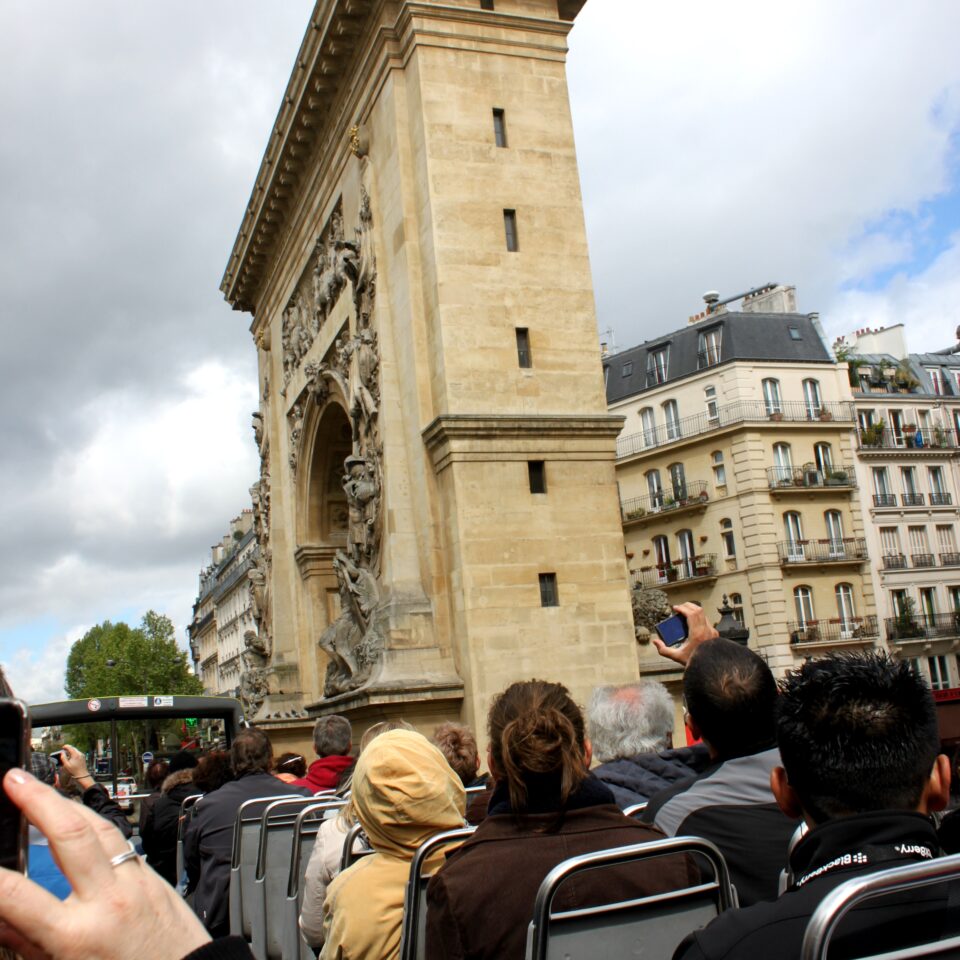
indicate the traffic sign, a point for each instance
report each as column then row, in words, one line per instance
column 147, row 757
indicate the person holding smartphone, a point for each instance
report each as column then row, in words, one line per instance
column 93, row 795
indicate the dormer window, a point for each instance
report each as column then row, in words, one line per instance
column 657, row 363
column 936, row 380
column 708, row 350
column 626, row 369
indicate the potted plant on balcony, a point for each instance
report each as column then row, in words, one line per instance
column 703, row 498
column 672, row 574
column 872, row 436
column 825, row 415
column 635, row 514
column 837, row 478
column 702, row 566
column 939, row 438
column 905, row 623
column 776, row 416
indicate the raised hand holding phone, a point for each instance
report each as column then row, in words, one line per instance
column 698, row 631
column 14, row 752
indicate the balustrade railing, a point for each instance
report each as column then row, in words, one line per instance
column 833, row 631
column 703, row 565
column 745, row 411
column 923, row 626
column 907, row 436
column 690, row 494
column 822, row 551
column 839, row 476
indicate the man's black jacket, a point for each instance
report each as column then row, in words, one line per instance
column 827, row 856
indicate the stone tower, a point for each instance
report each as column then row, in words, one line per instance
column 437, row 510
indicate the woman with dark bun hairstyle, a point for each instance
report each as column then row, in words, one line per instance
column 545, row 808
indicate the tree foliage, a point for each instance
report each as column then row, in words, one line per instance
column 116, row 660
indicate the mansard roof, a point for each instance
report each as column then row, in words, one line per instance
column 745, row 336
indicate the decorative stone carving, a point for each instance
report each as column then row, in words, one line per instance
column 649, row 608
column 354, row 642
column 254, row 680
column 258, row 577
column 295, row 428
column 257, row 424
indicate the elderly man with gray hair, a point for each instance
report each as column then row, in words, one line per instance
column 631, row 730
column 332, row 741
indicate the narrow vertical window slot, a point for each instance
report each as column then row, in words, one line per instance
column 524, row 357
column 537, row 474
column 510, row 230
column 499, row 127
column 548, row 590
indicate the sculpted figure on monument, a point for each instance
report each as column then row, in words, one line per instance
column 295, row 421
column 353, row 642
column 254, row 681
column 257, row 419
column 258, row 578
column 288, row 341
column 363, row 499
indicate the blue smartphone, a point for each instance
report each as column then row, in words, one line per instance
column 673, row 630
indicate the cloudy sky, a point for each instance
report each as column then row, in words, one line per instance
column 721, row 146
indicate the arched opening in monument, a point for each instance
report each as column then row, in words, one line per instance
column 327, row 514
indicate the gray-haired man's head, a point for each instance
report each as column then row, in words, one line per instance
column 332, row 736
column 630, row 718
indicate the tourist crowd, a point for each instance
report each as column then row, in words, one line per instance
column 846, row 745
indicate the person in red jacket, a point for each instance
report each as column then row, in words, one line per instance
column 333, row 741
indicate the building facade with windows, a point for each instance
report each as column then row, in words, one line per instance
column 908, row 466
column 223, row 611
column 737, row 476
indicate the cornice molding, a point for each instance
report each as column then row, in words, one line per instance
column 340, row 30
column 479, row 437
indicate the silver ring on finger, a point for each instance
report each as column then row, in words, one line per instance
column 129, row 854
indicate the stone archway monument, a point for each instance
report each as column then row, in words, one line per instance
column 436, row 512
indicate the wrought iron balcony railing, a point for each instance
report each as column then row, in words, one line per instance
column 823, row 551
column 702, row 566
column 746, row 411
column 923, row 627
column 941, row 499
column 923, row 560
column 884, row 499
column 692, row 494
column 894, row 561
column 833, row 631
column 908, row 436
column 839, row 476
column 950, row 559
column 708, row 358
column 912, row 499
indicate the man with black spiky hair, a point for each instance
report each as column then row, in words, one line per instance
column 861, row 764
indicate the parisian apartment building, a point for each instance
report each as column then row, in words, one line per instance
column 738, row 476
column 908, row 423
column 222, row 612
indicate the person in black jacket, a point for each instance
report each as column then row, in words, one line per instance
column 208, row 840
column 859, row 741
column 631, row 729
column 730, row 695
column 158, row 835
column 154, row 776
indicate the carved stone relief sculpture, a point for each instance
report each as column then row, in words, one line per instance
column 255, row 678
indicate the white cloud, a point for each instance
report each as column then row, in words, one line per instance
column 37, row 675
column 726, row 146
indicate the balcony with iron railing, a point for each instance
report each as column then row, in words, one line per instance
column 732, row 414
column 838, row 631
column 941, row 499
column 847, row 550
column 918, row 626
column 912, row 499
column 807, row 478
column 666, row 575
column 897, row 561
column 689, row 497
column 884, row 499
column 905, row 438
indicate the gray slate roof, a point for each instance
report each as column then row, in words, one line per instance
column 746, row 336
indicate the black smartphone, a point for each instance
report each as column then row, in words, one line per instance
column 14, row 752
column 673, row 630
